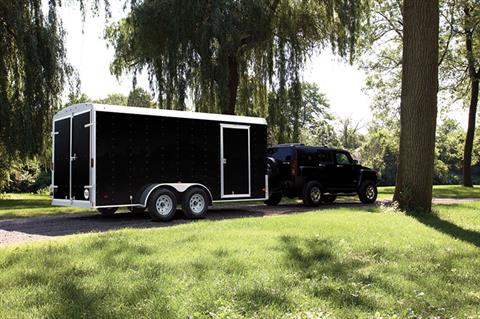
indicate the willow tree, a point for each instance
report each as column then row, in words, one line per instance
column 33, row 71
column 208, row 48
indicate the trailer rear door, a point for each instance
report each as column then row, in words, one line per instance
column 71, row 166
column 61, row 159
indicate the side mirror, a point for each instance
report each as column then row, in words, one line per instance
column 355, row 162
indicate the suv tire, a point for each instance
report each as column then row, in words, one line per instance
column 329, row 199
column 162, row 205
column 195, row 203
column 312, row 194
column 107, row 211
column 367, row 193
column 274, row 199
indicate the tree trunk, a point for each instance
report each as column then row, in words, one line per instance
column 418, row 109
column 467, row 154
column 472, row 111
column 233, row 80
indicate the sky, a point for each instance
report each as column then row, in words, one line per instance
column 88, row 52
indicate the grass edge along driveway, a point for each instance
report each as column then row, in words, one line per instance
column 32, row 205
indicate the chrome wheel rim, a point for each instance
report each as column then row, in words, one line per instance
column 164, row 205
column 370, row 192
column 315, row 194
column 197, row 203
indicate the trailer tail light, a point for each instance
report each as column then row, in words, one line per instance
column 294, row 168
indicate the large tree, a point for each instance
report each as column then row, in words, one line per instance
column 418, row 109
column 209, row 47
column 33, row 71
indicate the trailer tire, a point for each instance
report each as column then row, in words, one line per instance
column 107, row 211
column 162, row 205
column 312, row 194
column 195, row 203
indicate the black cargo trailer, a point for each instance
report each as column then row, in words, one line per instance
column 106, row 157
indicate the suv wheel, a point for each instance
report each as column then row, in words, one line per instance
column 195, row 203
column 312, row 195
column 162, row 205
column 329, row 199
column 274, row 199
column 368, row 192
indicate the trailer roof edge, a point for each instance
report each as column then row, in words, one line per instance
column 159, row 112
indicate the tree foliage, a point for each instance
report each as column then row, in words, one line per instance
column 33, row 70
column 140, row 98
column 211, row 48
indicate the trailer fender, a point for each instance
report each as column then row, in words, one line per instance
column 179, row 188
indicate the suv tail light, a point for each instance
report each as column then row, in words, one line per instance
column 294, row 167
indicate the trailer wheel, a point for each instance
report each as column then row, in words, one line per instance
column 107, row 211
column 162, row 205
column 195, row 203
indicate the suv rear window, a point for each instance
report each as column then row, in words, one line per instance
column 281, row 153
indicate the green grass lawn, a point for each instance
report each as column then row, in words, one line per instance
column 439, row 191
column 338, row 263
column 31, row 205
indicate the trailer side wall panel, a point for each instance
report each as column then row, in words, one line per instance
column 135, row 150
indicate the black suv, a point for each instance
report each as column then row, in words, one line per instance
column 317, row 174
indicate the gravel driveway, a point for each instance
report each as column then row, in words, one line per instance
column 36, row 228
column 19, row 230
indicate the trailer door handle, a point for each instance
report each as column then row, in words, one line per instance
column 339, row 165
column 224, row 161
column 321, row 165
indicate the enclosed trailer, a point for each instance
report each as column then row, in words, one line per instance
column 106, row 157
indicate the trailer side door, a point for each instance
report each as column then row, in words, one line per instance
column 235, row 161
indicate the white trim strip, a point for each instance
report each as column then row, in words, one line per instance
column 126, row 205
column 267, row 191
column 67, row 202
column 238, row 200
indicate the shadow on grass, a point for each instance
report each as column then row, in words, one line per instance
column 336, row 280
column 449, row 228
